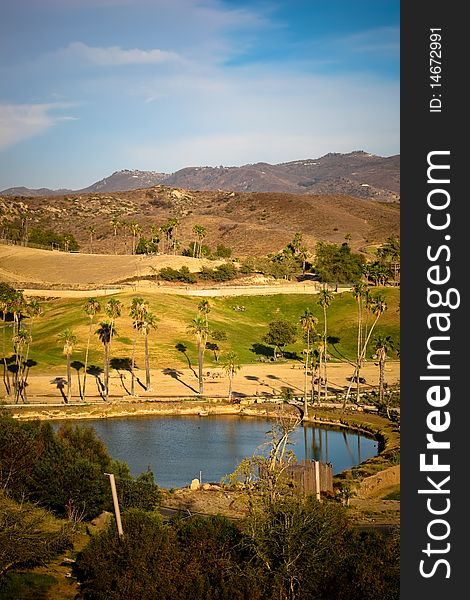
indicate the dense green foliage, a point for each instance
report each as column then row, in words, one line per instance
column 64, row 471
column 17, row 231
column 280, row 333
column 146, row 246
column 224, row 272
column 336, row 263
column 291, row 549
column 183, row 274
column 48, row 237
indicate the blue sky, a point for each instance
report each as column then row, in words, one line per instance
column 89, row 87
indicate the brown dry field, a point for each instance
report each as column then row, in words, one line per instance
column 43, row 268
column 252, row 380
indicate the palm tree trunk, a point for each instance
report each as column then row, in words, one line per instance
column 147, row 363
column 359, row 341
column 86, row 361
column 358, row 366
column 381, row 377
column 326, row 354
column 6, row 375
column 306, row 376
column 200, row 360
column 133, row 366
column 69, row 379
column 312, row 384
column 106, row 371
column 319, row 375
column 230, row 378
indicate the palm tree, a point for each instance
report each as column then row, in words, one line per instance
column 231, row 366
column 67, row 241
column 115, row 224
column 199, row 328
column 315, row 367
column 135, row 229
column 32, row 310
column 149, row 322
column 304, row 254
column 359, row 290
column 69, row 339
column 325, row 299
column 17, row 306
column 378, row 307
column 91, row 308
column 105, row 333
column 204, row 308
column 307, row 322
column 172, row 228
column 21, row 342
column 368, row 303
column 382, row 345
column 155, row 236
column 113, row 309
column 164, row 229
column 137, row 312
column 297, row 242
column 91, row 230
column 5, row 309
column 200, row 232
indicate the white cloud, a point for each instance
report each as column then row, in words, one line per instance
column 383, row 40
column 22, row 121
column 116, row 56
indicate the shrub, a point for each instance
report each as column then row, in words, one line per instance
column 184, row 275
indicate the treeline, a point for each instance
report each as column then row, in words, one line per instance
column 331, row 263
column 17, row 230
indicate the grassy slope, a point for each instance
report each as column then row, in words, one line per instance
column 243, row 328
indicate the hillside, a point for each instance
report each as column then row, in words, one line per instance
column 32, row 267
column 358, row 174
column 251, row 223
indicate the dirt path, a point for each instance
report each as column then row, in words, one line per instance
column 154, row 288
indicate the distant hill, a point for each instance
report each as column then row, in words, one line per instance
column 357, row 174
column 251, row 223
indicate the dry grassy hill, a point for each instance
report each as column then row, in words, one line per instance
column 31, row 267
column 250, row 223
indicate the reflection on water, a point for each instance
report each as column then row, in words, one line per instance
column 180, row 448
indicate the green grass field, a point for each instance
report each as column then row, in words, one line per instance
column 244, row 329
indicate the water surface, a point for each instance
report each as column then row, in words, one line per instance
column 181, row 448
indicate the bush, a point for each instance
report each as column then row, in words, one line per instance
column 224, row 272
column 184, row 275
column 25, row 536
column 198, row 559
column 223, row 251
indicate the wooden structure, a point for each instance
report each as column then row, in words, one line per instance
column 311, row 477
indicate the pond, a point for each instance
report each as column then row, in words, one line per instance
column 181, row 448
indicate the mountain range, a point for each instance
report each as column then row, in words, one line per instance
column 357, row 174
